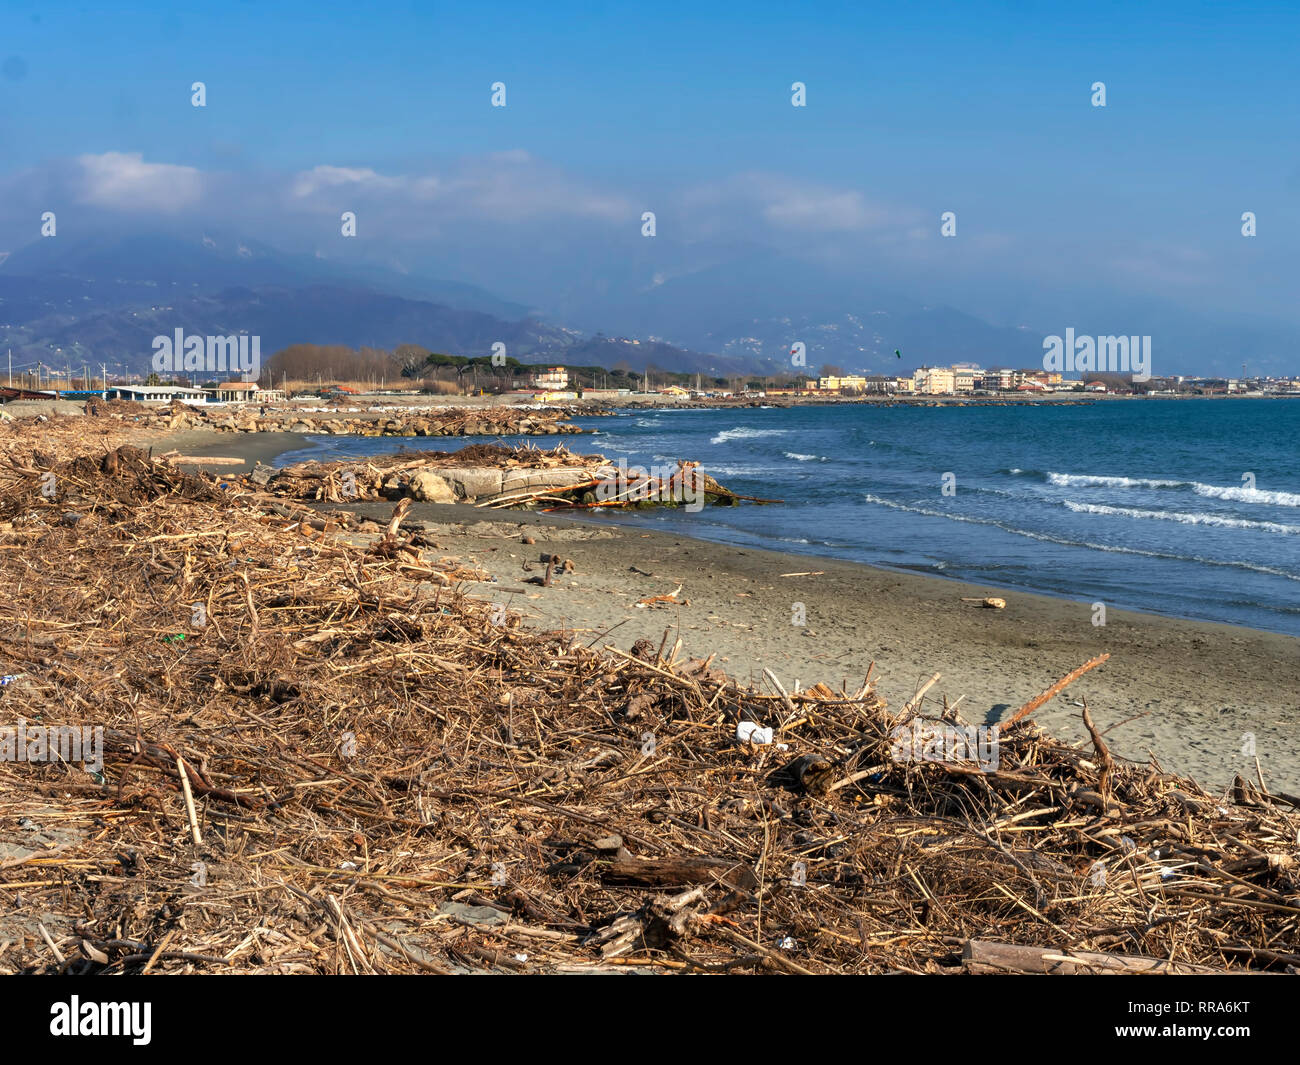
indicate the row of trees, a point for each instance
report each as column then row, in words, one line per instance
column 406, row 366
column 412, row 366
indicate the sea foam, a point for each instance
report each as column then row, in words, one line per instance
column 1198, row 518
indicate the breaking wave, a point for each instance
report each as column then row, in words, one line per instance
column 1231, row 493
column 744, row 433
column 1087, row 480
column 1217, row 520
column 1248, row 495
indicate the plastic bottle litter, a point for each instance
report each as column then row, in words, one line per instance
column 752, row 732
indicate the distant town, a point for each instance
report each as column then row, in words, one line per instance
column 336, row 372
column 969, row 379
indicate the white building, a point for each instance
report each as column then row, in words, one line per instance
column 555, row 379
column 157, row 393
column 935, row 381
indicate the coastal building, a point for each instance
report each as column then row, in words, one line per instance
column 554, row 379
column 905, row 385
column 963, row 378
column 157, row 393
column 851, row 383
column 935, row 381
column 1035, row 377
column 231, row 391
column 997, row 379
column 243, row 392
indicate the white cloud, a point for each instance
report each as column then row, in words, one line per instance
column 822, row 210
column 503, row 186
column 787, row 203
column 124, row 181
column 310, row 182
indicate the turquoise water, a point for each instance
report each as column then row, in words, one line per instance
column 1189, row 508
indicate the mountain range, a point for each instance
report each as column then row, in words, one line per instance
column 104, row 297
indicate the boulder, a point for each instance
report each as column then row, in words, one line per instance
column 430, row 488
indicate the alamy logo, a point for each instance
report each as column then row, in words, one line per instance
column 938, row 741
column 78, row 1018
column 178, row 354
column 53, row 743
column 1108, row 354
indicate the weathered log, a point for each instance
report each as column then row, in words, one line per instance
column 982, row 956
column 675, row 872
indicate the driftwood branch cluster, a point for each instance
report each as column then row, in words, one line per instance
column 416, row 421
column 497, row 477
column 340, row 765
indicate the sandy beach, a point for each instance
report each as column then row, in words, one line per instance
column 1204, row 699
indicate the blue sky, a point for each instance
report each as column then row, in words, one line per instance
column 978, row 108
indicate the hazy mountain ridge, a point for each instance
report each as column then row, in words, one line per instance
column 104, row 300
column 103, row 297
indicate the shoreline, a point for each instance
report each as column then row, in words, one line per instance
column 1192, row 692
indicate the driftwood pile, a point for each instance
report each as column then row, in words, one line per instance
column 441, row 421
column 56, row 437
column 336, row 766
column 497, row 477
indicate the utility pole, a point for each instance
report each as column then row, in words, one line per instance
column 103, row 369
column 11, row 367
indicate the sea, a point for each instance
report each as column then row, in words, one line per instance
column 1188, row 508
